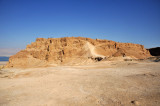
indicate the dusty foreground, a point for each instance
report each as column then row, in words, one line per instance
column 99, row 84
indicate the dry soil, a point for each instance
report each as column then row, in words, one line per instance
column 106, row 83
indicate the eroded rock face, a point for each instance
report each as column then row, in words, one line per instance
column 43, row 51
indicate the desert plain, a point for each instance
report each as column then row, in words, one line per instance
column 104, row 83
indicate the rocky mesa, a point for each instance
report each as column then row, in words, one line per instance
column 73, row 50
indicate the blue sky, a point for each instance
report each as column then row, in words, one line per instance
column 135, row 21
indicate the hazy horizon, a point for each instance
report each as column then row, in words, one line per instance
column 133, row 21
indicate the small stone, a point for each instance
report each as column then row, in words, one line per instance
column 135, row 102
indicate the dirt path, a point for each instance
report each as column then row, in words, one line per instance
column 92, row 51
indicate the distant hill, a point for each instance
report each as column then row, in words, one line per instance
column 155, row 51
column 4, row 58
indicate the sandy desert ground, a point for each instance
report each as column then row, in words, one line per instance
column 105, row 83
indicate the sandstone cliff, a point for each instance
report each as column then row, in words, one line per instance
column 53, row 51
